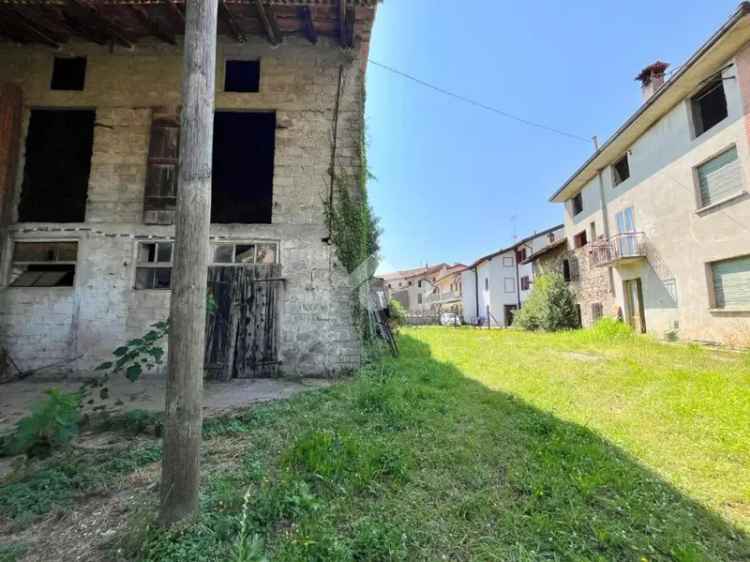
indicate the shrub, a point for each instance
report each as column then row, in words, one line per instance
column 550, row 306
column 52, row 423
column 397, row 312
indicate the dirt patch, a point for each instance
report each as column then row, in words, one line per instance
column 16, row 399
column 584, row 357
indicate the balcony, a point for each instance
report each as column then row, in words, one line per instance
column 618, row 250
column 443, row 298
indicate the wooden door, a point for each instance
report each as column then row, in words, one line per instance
column 241, row 339
column 634, row 305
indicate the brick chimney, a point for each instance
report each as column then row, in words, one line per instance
column 652, row 78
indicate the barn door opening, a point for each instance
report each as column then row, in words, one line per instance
column 241, row 332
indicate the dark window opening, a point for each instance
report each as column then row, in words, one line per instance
column 58, row 163
column 521, row 255
column 577, row 203
column 709, row 106
column 566, row 271
column 580, row 239
column 597, row 311
column 621, row 170
column 486, row 284
column 44, row 264
column 243, row 156
column 525, row 283
column 242, row 76
column 68, row 73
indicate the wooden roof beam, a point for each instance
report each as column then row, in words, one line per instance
column 226, row 16
column 305, row 14
column 40, row 34
column 154, row 27
column 175, row 12
column 84, row 11
column 268, row 18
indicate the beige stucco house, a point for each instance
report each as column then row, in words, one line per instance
column 658, row 218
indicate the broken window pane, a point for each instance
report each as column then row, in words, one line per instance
column 146, row 253
column 266, row 253
column 242, row 76
column 164, row 253
column 621, row 170
column 38, row 264
column 244, row 254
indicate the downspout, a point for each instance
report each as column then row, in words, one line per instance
column 605, row 217
column 476, row 290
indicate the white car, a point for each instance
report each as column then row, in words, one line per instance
column 449, row 319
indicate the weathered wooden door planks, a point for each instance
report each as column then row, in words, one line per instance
column 241, row 332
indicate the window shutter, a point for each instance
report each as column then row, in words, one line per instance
column 720, row 178
column 732, row 283
column 160, row 197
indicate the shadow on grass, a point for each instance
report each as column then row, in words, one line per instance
column 531, row 486
column 414, row 461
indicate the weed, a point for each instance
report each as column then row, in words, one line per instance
column 12, row 552
column 53, row 423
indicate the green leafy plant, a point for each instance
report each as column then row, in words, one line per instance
column 397, row 313
column 550, row 306
column 138, row 354
column 53, row 423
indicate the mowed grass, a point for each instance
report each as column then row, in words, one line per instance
column 487, row 445
column 479, row 445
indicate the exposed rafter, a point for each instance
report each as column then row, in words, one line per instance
column 90, row 17
column 157, row 30
column 226, row 16
column 267, row 16
column 40, row 34
column 175, row 12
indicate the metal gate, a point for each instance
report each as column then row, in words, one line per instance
column 241, row 333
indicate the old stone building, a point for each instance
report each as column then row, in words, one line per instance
column 89, row 106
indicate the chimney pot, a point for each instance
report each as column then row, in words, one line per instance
column 652, row 78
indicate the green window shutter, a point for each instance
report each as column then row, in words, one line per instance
column 732, row 283
column 720, row 177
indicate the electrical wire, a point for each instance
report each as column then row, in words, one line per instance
column 478, row 103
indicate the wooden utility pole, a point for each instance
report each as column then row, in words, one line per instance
column 183, row 422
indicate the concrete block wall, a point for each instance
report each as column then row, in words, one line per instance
column 299, row 82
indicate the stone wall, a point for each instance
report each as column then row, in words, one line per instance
column 300, row 82
column 589, row 284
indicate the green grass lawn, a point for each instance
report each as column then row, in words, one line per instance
column 486, row 446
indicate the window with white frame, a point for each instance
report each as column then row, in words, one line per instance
column 720, row 178
column 507, row 262
column 43, row 264
column 509, row 285
column 153, row 265
column 709, row 106
column 621, row 170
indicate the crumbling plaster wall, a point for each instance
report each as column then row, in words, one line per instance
column 300, row 82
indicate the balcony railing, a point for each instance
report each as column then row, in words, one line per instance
column 442, row 298
column 619, row 249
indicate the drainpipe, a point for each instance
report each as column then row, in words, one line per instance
column 476, row 289
column 605, row 217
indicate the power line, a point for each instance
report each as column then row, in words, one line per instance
column 479, row 104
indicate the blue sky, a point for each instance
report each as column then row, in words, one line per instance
column 450, row 176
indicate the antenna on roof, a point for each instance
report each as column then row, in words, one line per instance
column 513, row 220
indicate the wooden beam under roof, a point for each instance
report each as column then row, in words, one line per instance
column 305, row 14
column 154, row 27
column 175, row 12
column 40, row 34
column 268, row 18
column 226, row 16
column 89, row 15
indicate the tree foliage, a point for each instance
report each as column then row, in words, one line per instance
column 550, row 306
